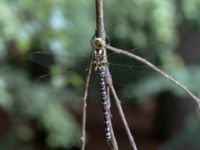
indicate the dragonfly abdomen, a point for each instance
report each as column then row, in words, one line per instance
column 104, row 97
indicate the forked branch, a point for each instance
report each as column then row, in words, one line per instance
column 168, row 77
column 120, row 110
column 122, row 116
column 100, row 32
column 114, row 141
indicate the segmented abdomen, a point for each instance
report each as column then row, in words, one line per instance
column 104, row 97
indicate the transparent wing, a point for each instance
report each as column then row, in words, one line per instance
column 42, row 58
column 123, row 69
column 56, row 76
column 46, row 59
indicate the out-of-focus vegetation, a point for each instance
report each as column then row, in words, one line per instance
column 65, row 27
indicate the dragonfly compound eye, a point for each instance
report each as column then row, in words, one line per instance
column 99, row 43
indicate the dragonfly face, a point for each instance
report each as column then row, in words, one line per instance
column 99, row 52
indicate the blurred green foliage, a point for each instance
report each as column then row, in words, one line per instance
column 65, row 28
column 191, row 12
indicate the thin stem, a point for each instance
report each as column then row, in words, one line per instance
column 119, row 107
column 99, row 19
column 83, row 137
column 122, row 116
column 168, row 77
column 114, row 141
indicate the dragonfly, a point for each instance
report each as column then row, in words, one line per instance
column 118, row 65
column 101, row 62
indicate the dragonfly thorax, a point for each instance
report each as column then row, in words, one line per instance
column 99, row 52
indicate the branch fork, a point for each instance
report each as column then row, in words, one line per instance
column 100, row 32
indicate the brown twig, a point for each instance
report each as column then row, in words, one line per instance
column 100, row 31
column 83, row 137
column 120, row 110
column 114, row 141
column 168, row 77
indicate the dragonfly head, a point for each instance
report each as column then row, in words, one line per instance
column 98, row 43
